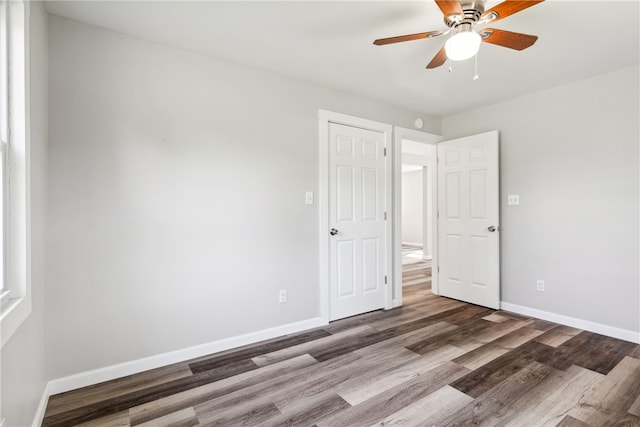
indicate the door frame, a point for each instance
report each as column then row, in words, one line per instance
column 400, row 133
column 325, row 118
column 427, row 207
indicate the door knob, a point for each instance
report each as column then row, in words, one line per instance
column 333, row 231
column 492, row 228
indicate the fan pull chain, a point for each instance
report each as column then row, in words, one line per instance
column 449, row 64
column 476, row 76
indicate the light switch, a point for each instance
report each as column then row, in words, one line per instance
column 308, row 198
column 513, row 199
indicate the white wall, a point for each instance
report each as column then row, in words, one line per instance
column 177, row 187
column 571, row 153
column 412, row 207
column 23, row 356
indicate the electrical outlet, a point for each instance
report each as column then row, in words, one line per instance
column 513, row 199
column 540, row 285
column 282, row 296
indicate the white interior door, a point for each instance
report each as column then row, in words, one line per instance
column 468, row 219
column 357, row 247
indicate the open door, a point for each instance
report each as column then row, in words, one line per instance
column 468, row 219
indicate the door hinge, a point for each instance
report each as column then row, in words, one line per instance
column 385, row 151
column 438, row 214
column 385, row 216
column 385, row 280
column 438, row 269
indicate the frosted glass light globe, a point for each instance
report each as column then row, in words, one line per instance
column 463, row 45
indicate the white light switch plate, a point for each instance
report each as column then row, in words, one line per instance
column 308, row 198
column 513, row 199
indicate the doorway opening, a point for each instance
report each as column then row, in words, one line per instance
column 417, row 217
column 415, row 207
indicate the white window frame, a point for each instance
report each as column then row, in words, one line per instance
column 17, row 304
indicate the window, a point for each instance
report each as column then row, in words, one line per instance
column 15, row 287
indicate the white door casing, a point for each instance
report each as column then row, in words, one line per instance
column 468, row 209
column 356, row 216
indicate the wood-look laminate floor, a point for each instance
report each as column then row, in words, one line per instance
column 433, row 362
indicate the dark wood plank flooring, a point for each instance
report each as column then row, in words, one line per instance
column 433, row 362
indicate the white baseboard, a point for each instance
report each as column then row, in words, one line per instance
column 599, row 328
column 412, row 243
column 107, row 373
column 42, row 407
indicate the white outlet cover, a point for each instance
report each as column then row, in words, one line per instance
column 308, row 198
column 513, row 199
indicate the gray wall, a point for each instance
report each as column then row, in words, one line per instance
column 177, row 188
column 23, row 356
column 176, row 201
column 571, row 153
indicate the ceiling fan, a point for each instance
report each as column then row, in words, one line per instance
column 462, row 16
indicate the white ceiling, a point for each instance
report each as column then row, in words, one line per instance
column 330, row 43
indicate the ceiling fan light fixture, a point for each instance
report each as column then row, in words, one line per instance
column 462, row 45
column 461, row 17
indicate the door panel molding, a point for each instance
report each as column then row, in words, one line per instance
column 325, row 118
column 356, row 209
column 469, row 219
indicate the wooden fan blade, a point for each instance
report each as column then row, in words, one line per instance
column 407, row 37
column 517, row 41
column 509, row 7
column 450, row 7
column 439, row 59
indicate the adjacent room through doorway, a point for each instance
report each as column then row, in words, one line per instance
column 417, row 207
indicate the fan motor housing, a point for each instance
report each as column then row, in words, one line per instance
column 472, row 9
